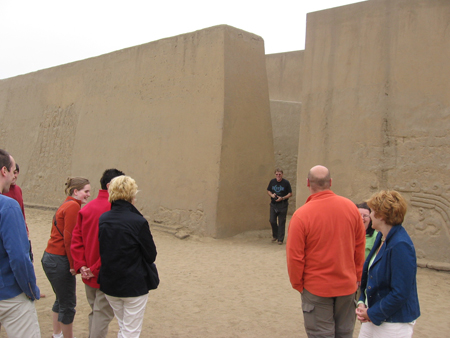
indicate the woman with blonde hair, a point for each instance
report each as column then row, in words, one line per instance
column 57, row 261
column 127, row 252
column 389, row 304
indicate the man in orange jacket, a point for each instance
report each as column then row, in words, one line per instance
column 325, row 257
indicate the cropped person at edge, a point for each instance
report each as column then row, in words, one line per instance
column 18, row 289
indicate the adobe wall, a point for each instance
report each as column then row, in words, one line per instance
column 376, row 108
column 285, row 125
column 284, row 75
column 175, row 114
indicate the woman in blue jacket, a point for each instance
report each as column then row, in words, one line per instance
column 389, row 304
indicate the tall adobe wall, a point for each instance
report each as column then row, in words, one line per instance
column 284, row 75
column 177, row 114
column 376, row 108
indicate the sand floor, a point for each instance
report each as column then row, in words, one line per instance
column 236, row 287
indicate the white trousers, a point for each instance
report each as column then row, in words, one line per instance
column 19, row 318
column 129, row 312
column 386, row 330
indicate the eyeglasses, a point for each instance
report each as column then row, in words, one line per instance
column 365, row 216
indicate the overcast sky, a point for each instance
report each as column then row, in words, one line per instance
column 41, row 34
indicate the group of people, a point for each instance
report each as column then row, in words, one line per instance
column 335, row 248
column 108, row 242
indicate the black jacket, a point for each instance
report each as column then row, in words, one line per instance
column 126, row 251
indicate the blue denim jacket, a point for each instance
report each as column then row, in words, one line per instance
column 390, row 283
column 16, row 270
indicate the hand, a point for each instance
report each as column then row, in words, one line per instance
column 279, row 199
column 361, row 313
column 86, row 272
column 73, row 272
column 83, row 271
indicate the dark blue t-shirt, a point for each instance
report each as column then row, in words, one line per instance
column 281, row 188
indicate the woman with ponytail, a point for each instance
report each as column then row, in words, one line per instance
column 57, row 261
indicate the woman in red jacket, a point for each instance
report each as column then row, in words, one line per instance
column 57, row 261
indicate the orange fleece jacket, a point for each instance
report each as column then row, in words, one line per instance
column 66, row 219
column 325, row 246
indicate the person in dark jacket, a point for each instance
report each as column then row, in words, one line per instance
column 389, row 305
column 127, row 251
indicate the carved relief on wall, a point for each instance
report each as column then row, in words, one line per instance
column 428, row 219
column 51, row 159
column 180, row 219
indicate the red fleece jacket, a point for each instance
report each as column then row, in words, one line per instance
column 16, row 193
column 85, row 245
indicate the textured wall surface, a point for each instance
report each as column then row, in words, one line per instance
column 175, row 114
column 286, row 125
column 284, row 75
column 376, row 108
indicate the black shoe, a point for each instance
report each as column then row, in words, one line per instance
column 280, row 242
column 274, row 239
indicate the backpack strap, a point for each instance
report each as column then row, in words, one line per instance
column 54, row 219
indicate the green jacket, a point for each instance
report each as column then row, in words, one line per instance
column 369, row 242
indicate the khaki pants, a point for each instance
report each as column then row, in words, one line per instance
column 101, row 313
column 19, row 318
column 328, row 317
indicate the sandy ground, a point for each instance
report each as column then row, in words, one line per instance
column 235, row 287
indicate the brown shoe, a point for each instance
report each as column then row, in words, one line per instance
column 280, row 242
column 274, row 239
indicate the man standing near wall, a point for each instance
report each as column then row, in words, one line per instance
column 86, row 256
column 279, row 191
column 325, row 257
column 18, row 289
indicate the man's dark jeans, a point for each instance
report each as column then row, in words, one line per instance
column 278, row 210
